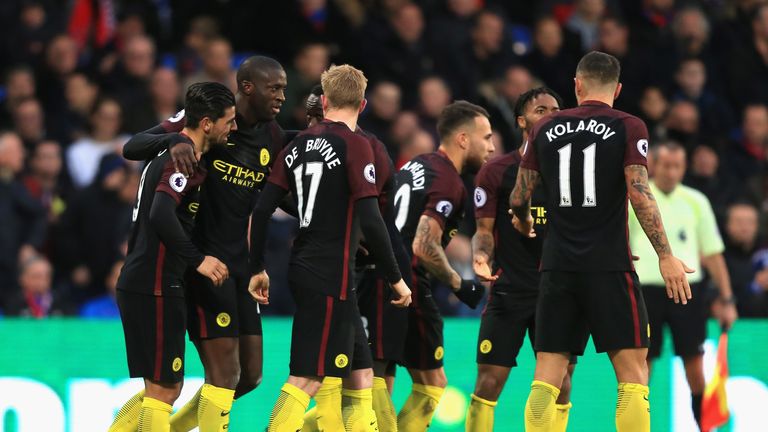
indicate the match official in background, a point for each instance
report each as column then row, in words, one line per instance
column 694, row 237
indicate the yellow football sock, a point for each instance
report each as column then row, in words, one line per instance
column 540, row 407
column 288, row 412
column 633, row 412
column 480, row 415
column 127, row 419
column 357, row 410
column 417, row 412
column 154, row 416
column 185, row 419
column 328, row 400
column 310, row 420
column 383, row 406
column 560, row 422
column 215, row 404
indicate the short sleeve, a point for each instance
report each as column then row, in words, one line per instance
column 177, row 184
column 278, row 175
column 530, row 158
column 708, row 233
column 485, row 196
column 361, row 168
column 637, row 142
column 175, row 123
column 444, row 198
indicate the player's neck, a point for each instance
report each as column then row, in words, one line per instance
column 343, row 115
column 597, row 97
column 246, row 113
column 454, row 154
column 198, row 138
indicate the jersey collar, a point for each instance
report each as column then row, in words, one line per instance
column 594, row 103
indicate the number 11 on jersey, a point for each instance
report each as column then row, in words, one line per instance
column 564, row 174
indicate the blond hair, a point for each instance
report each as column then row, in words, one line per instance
column 344, row 86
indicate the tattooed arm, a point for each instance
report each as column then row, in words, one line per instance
column 646, row 210
column 520, row 200
column 483, row 245
column 427, row 247
column 672, row 269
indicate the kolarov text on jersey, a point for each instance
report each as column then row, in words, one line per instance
column 581, row 154
column 327, row 168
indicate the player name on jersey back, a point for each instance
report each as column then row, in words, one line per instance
column 589, row 125
column 320, row 145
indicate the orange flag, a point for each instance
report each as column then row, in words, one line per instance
column 714, row 406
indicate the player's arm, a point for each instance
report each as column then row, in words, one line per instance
column 724, row 307
column 483, row 245
column 163, row 219
column 398, row 246
column 644, row 203
column 147, row 144
column 380, row 246
column 520, row 200
column 428, row 249
column 268, row 201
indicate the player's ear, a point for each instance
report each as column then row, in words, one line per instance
column 207, row 124
column 363, row 105
column 521, row 122
column 617, row 92
column 578, row 85
column 247, row 87
column 324, row 102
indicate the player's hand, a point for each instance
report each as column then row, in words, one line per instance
column 259, row 287
column 184, row 157
column 470, row 292
column 673, row 271
column 525, row 227
column 482, row 269
column 214, row 270
column 725, row 312
column 403, row 294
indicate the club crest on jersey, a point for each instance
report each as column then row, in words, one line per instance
column 178, row 182
column 480, row 197
column 444, row 208
column 341, row 361
column 642, row 147
column 176, row 365
column 264, row 157
column 176, row 117
column 369, row 172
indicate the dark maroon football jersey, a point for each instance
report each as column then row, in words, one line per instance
column 429, row 185
column 580, row 154
column 150, row 268
column 516, row 257
column 327, row 168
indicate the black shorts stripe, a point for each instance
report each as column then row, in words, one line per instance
column 633, row 301
column 159, row 334
column 379, row 318
column 324, row 339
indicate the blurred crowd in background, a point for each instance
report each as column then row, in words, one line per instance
column 80, row 76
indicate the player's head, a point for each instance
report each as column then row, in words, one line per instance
column 261, row 80
column 210, row 107
column 314, row 106
column 667, row 164
column 534, row 104
column 468, row 127
column 597, row 74
column 343, row 88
